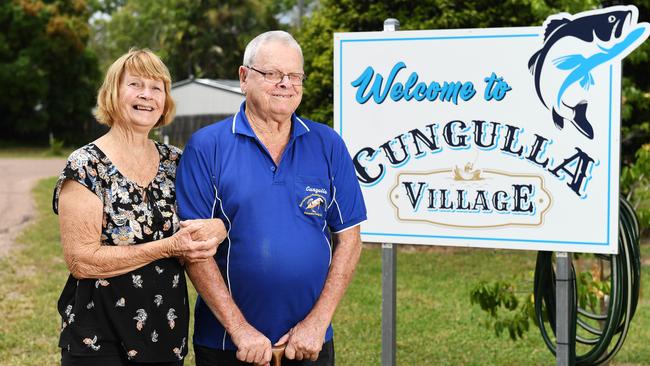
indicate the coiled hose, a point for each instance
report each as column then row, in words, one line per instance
column 621, row 304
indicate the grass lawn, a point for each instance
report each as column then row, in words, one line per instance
column 436, row 324
column 32, row 152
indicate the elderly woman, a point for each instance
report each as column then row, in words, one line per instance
column 125, row 301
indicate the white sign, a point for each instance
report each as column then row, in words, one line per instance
column 499, row 138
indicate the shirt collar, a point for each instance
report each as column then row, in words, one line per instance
column 240, row 124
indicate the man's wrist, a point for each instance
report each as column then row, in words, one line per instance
column 235, row 326
column 319, row 320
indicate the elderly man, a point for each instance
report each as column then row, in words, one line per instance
column 284, row 186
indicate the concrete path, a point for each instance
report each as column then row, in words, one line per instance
column 17, row 178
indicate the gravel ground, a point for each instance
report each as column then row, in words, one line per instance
column 17, row 178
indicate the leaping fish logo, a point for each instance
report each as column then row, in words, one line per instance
column 615, row 32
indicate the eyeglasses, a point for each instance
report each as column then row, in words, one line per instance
column 275, row 76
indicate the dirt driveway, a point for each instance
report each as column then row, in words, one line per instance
column 17, row 178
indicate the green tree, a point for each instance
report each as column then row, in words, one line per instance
column 635, row 129
column 106, row 6
column 118, row 26
column 47, row 74
column 316, row 35
column 635, row 180
column 199, row 38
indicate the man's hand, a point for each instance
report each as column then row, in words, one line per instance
column 252, row 346
column 304, row 341
column 187, row 249
column 204, row 229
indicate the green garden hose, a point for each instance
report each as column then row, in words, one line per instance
column 606, row 340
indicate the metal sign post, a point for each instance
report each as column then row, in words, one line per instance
column 388, row 304
column 389, row 278
column 566, row 350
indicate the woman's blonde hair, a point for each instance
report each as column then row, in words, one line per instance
column 140, row 62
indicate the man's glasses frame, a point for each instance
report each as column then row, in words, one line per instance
column 275, row 76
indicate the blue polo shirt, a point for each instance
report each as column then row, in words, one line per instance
column 277, row 254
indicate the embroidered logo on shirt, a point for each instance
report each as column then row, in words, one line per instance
column 313, row 204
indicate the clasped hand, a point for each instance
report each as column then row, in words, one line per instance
column 252, row 346
column 197, row 240
column 304, row 341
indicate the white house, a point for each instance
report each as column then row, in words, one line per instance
column 200, row 102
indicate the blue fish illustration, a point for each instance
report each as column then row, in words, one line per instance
column 601, row 27
column 581, row 73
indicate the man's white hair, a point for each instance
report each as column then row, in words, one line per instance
column 266, row 37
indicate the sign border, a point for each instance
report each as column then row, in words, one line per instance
column 338, row 52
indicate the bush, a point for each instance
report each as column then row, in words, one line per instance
column 56, row 147
column 635, row 185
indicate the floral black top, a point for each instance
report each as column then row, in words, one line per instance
column 142, row 314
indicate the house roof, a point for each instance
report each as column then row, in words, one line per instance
column 222, row 84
